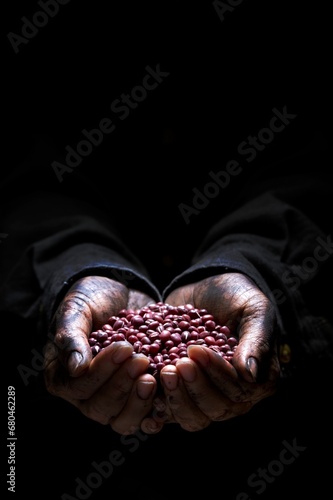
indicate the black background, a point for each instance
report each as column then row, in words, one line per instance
column 225, row 79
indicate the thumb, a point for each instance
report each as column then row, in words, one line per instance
column 86, row 305
column 256, row 352
column 71, row 327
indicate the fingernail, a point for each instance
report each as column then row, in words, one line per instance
column 137, row 366
column 144, row 389
column 200, row 355
column 170, row 380
column 120, row 353
column 74, row 361
column 252, row 367
column 187, row 371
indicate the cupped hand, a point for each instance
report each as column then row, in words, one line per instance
column 113, row 388
column 204, row 387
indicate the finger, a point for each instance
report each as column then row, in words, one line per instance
column 184, row 410
column 257, row 342
column 208, row 398
column 150, row 425
column 220, row 372
column 137, row 300
column 226, row 379
column 269, row 386
column 179, row 296
column 107, row 402
column 87, row 305
column 137, row 406
column 71, row 327
column 160, row 416
column 101, row 368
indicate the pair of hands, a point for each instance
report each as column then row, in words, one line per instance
column 114, row 387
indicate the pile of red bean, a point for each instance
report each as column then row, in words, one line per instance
column 163, row 332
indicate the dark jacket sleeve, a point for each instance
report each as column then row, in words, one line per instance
column 280, row 235
column 49, row 241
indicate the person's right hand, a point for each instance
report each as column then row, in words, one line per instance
column 113, row 388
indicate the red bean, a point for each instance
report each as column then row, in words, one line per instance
column 158, row 317
column 185, row 336
column 163, row 332
column 169, row 344
column 165, row 335
column 116, row 337
column 176, row 338
column 210, row 340
column 222, row 336
column 153, row 336
column 181, row 309
column 154, row 324
column 124, row 312
column 122, row 330
column 112, row 320
column 204, row 334
column 118, row 324
column 137, row 320
column 219, row 342
column 95, row 350
column 184, row 325
column 137, row 346
column 191, row 342
column 101, row 335
column 207, row 317
column 210, row 325
column 145, row 349
column 225, row 330
column 154, row 349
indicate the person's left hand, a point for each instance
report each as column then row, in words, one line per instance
column 204, row 387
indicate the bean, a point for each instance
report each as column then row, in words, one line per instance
column 163, row 333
